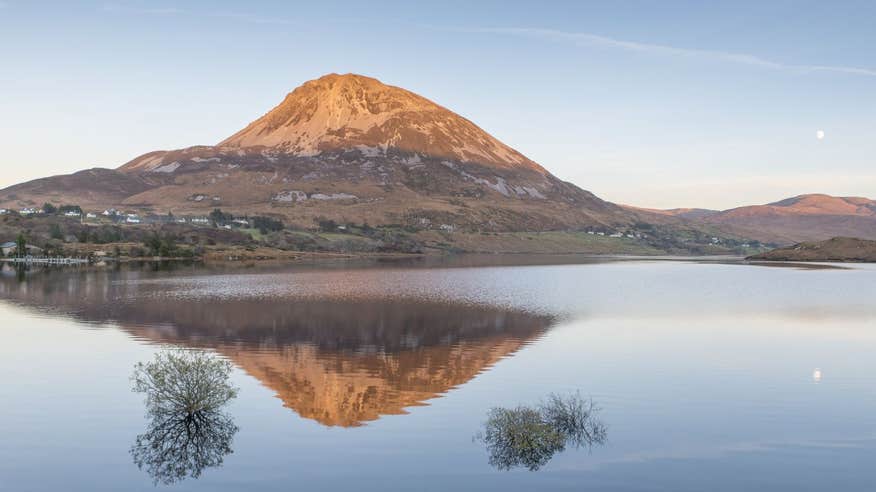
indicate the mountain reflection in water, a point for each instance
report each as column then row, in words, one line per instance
column 340, row 362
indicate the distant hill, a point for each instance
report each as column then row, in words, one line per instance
column 836, row 249
column 814, row 217
column 92, row 188
column 684, row 213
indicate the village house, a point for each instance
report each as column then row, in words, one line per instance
column 8, row 248
column 11, row 247
column 28, row 211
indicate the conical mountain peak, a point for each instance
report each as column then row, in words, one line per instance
column 336, row 112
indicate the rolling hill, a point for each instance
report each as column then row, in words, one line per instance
column 813, row 217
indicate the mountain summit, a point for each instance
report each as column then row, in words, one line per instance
column 344, row 111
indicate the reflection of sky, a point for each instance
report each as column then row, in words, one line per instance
column 687, row 398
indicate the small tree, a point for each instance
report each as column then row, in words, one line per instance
column 21, row 245
column 326, row 225
column 219, row 217
column 49, row 209
column 55, row 231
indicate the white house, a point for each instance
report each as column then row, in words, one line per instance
column 28, row 211
column 11, row 247
column 8, row 248
column 200, row 220
column 132, row 219
column 90, row 215
column 72, row 213
column 3, row 211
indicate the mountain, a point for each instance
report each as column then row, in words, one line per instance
column 813, row 217
column 837, row 249
column 351, row 149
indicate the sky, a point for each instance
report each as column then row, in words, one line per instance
column 655, row 104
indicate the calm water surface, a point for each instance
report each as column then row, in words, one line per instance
column 708, row 376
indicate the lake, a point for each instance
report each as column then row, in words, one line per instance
column 707, row 375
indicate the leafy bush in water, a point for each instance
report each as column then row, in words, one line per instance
column 529, row 437
column 520, row 437
column 184, row 382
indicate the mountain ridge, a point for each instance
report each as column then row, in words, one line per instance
column 806, row 217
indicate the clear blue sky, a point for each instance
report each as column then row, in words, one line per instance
column 659, row 104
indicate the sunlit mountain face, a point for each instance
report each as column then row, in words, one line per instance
column 340, row 361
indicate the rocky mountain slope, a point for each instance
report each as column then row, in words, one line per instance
column 351, row 149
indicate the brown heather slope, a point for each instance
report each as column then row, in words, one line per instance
column 683, row 213
column 814, row 217
column 349, row 148
column 92, row 188
column 837, row 249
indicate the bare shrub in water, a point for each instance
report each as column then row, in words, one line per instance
column 185, row 392
column 176, row 447
column 574, row 418
column 184, row 382
column 529, row 437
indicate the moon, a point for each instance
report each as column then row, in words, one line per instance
column 819, row 134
